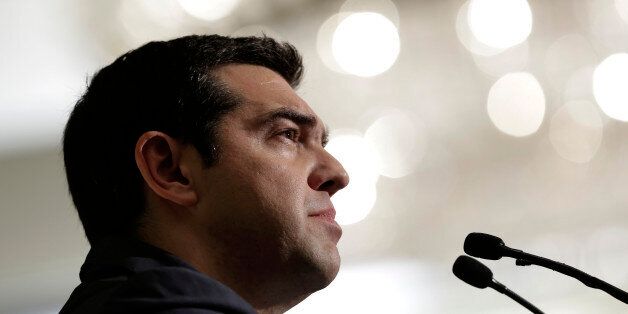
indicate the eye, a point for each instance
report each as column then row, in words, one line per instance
column 291, row 134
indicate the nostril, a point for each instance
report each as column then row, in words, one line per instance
column 325, row 186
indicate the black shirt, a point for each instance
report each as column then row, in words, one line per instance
column 130, row 276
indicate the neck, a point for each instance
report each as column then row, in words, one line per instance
column 261, row 287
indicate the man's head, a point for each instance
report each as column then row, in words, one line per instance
column 162, row 86
column 203, row 140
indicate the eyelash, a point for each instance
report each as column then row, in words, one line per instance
column 295, row 136
column 285, row 133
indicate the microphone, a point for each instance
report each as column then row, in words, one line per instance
column 478, row 275
column 487, row 246
column 484, row 246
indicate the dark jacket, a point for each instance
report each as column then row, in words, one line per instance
column 130, row 276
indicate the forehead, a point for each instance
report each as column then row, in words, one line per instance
column 263, row 90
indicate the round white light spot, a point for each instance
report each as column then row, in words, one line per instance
column 324, row 41
column 576, row 131
column 354, row 202
column 500, row 23
column 360, row 160
column 399, row 141
column 365, row 44
column 516, row 104
column 357, row 156
column 386, row 8
column 466, row 37
column 208, row 10
column 610, row 82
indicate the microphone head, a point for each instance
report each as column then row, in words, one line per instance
column 484, row 245
column 472, row 272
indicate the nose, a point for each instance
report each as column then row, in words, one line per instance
column 328, row 175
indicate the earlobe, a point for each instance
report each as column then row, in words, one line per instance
column 159, row 160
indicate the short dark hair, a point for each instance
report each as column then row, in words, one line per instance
column 165, row 86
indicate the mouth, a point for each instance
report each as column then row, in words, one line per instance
column 329, row 217
column 329, row 213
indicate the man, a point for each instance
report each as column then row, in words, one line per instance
column 202, row 181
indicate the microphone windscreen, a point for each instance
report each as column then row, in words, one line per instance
column 483, row 245
column 472, row 272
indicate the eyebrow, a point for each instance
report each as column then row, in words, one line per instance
column 299, row 118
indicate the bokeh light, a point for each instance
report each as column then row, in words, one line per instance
column 324, row 40
column 365, row 44
column 565, row 56
column 354, row 202
column 209, row 10
column 579, row 86
column 360, row 160
column 516, row 104
column 466, row 37
column 400, row 142
column 384, row 7
column 576, row 131
column 610, row 86
column 500, row 23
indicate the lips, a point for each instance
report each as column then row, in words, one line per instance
column 328, row 216
column 329, row 213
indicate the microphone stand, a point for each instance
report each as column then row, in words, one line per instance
column 478, row 275
column 509, row 293
column 526, row 259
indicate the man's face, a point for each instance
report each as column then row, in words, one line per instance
column 266, row 202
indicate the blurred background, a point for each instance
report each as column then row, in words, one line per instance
column 451, row 116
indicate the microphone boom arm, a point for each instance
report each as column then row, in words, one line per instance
column 525, row 259
column 511, row 294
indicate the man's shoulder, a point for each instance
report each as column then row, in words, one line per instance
column 163, row 290
column 149, row 283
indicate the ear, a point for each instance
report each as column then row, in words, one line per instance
column 159, row 158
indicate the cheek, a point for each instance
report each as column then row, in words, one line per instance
column 267, row 185
column 264, row 184
column 272, row 203
column 283, row 186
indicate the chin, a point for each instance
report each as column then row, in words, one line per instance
column 315, row 272
column 329, row 269
column 335, row 265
